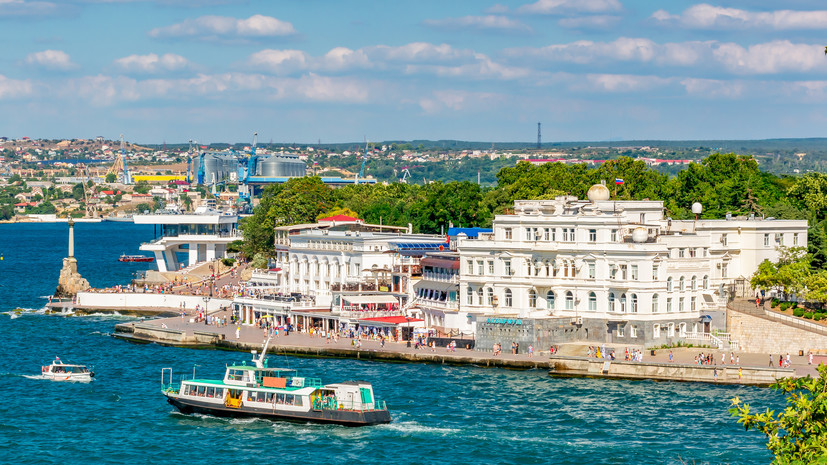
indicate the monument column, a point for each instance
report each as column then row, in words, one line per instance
column 71, row 238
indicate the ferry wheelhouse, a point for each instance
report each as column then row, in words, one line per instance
column 277, row 394
column 59, row 371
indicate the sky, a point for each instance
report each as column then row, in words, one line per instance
column 310, row 71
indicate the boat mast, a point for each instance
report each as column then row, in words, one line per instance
column 260, row 360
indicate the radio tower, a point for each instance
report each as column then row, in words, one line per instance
column 539, row 138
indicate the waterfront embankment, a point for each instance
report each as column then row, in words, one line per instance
column 569, row 361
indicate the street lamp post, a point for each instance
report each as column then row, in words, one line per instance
column 206, row 312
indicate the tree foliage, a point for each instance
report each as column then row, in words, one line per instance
column 798, row 434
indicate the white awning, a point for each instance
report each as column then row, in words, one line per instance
column 370, row 299
column 436, row 286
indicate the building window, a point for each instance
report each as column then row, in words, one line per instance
column 633, row 331
column 671, row 330
column 509, row 298
column 723, row 240
column 569, row 301
column 724, row 267
column 655, row 331
column 470, row 296
column 681, row 253
column 592, row 235
column 470, row 265
column 680, row 304
column 693, row 284
column 655, row 303
column 612, row 302
column 766, row 240
column 706, row 282
column 507, row 234
column 669, row 284
column 634, row 303
column 549, row 268
column 668, row 305
column 528, row 234
column 683, row 329
column 507, row 267
column 546, row 234
column 682, row 285
column 491, row 267
column 592, row 302
column 550, row 300
column 634, row 273
column 779, row 239
column 621, row 331
column 614, row 235
column 481, row 267
column 795, row 239
column 654, row 272
column 623, row 303
column 490, row 293
column 692, row 303
column 623, row 275
column 612, row 271
column 532, row 298
column 479, row 296
column 592, row 271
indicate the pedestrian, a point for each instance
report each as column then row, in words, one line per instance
column 530, row 350
column 723, row 358
column 780, row 361
column 715, row 374
column 810, row 358
column 737, row 359
column 671, row 357
column 732, row 358
column 238, row 332
column 770, row 359
column 788, row 360
column 739, row 374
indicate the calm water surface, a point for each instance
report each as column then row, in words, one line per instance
column 441, row 414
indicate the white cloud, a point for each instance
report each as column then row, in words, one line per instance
column 419, row 52
column 341, row 58
column 713, row 88
column 224, row 27
column 621, row 83
column 279, row 61
column 24, row 8
column 779, row 56
column 12, row 88
column 553, row 7
column 705, row 16
column 53, row 60
column 482, row 23
column 152, row 63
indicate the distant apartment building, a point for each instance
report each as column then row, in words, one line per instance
column 609, row 271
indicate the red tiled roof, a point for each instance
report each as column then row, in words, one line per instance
column 340, row 218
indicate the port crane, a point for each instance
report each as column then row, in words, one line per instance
column 119, row 167
column 364, row 160
column 245, row 193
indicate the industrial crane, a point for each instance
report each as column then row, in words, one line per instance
column 405, row 174
column 120, row 165
column 364, row 160
column 244, row 190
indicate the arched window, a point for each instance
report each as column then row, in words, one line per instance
column 509, row 298
column 693, row 284
column 706, row 282
column 592, row 302
column 655, row 303
column 479, row 296
column 682, row 285
column 634, row 303
column 669, row 284
column 569, row 301
column 470, row 296
column 612, row 302
column 532, row 298
column 490, row 296
column 550, row 300
column 623, row 303
column 549, row 268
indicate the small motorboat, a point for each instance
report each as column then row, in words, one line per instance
column 59, row 371
column 136, row 258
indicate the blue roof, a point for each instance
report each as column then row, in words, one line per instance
column 470, row 232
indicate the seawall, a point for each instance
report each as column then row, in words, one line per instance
column 617, row 369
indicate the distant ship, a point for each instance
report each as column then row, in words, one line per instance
column 136, row 258
column 119, row 219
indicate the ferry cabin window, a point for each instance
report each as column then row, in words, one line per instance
column 298, row 401
column 210, row 392
column 261, row 397
column 219, row 392
column 202, row 390
column 187, row 390
column 279, row 398
column 235, row 375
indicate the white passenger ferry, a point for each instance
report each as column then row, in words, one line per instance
column 59, row 371
column 276, row 394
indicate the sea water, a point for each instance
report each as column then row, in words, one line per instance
column 441, row 414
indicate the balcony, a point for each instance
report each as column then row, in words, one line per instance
column 441, row 277
column 381, row 286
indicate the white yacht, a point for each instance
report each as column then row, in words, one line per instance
column 59, row 371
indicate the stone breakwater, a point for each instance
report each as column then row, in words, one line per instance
column 558, row 366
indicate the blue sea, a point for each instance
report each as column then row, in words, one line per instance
column 442, row 414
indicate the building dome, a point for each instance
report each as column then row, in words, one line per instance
column 640, row 235
column 598, row 192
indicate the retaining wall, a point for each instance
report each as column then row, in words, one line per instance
column 760, row 335
column 128, row 300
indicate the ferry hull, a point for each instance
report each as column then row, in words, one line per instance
column 338, row 417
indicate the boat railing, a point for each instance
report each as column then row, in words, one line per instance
column 331, row 403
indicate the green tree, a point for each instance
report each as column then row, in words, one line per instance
column 111, row 177
column 798, row 434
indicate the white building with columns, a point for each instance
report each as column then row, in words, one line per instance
column 609, row 271
column 201, row 237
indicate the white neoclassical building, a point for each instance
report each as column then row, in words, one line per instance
column 609, row 271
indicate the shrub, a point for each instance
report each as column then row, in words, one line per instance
column 774, row 302
column 798, row 312
column 228, row 261
column 794, row 305
column 818, row 316
column 808, row 315
column 784, row 306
